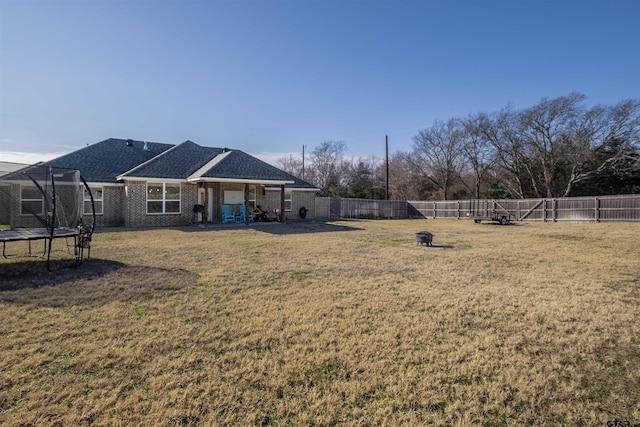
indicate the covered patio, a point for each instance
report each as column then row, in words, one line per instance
column 218, row 198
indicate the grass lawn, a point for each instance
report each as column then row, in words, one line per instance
column 328, row 324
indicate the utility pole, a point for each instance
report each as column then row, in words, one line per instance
column 303, row 162
column 386, row 137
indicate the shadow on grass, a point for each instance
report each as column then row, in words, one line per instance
column 306, row 228
column 276, row 228
column 95, row 282
column 497, row 223
column 436, row 246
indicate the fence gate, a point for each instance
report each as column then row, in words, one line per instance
column 335, row 208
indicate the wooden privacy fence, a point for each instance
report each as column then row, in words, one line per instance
column 601, row 208
column 337, row 208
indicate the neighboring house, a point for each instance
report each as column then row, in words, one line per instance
column 139, row 184
column 7, row 167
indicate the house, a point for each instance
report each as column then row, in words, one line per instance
column 8, row 167
column 140, row 184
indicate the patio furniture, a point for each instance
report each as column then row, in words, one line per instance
column 227, row 215
column 242, row 214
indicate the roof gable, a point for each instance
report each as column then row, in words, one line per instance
column 179, row 162
column 240, row 166
column 105, row 160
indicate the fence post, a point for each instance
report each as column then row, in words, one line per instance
column 596, row 208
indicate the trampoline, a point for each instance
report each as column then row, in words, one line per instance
column 43, row 203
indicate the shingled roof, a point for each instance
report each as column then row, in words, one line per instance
column 104, row 161
column 114, row 160
column 179, row 162
column 239, row 166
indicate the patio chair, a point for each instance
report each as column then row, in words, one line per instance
column 227, row 215
column 242, row 215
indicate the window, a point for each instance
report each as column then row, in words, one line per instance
column 252, row 197
column 97, row 200
column 163, row 198
column 31, row 200
column 288, row 200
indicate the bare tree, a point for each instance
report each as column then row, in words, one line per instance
column 406, row 182
column 479, row 153
column 291, row 164
column 606, row 138
column 499, row 129
column 327, row 169
column 438, row 153
column 546, row 129
column 555, row 148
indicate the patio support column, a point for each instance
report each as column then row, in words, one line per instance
column 282, row 215
column 246, row 203
column 205, row 214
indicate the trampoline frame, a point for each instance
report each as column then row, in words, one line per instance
column 81, row 236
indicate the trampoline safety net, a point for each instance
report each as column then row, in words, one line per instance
column 41, row 197
column 44, row 203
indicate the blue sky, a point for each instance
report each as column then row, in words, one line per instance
column 268, row 76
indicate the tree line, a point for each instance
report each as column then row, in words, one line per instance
column 559, row 147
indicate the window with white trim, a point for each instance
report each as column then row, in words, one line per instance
column 31, row 200
column 97, row 193
column 288, row 200
column 163, row 197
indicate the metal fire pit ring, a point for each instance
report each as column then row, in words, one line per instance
column 424, row 238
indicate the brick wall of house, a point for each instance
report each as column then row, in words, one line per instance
column 120, row 210
column 5, row 204
column 298, row 200
column 68, row 199
column 114, row 204
column 270, row 200
column 136, row 209
column 304, row 199
column 113, row 208
column 135, row 204
column 15, row 220
column 189, row 200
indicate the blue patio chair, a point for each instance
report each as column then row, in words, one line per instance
column 227, row 215
column 242, row 216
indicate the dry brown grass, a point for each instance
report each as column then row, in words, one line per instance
column 328, row 324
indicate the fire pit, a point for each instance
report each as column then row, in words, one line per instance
column 424, row 238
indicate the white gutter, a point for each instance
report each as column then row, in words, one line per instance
column 142, row 178
column 294, row 188
column 240, row 181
